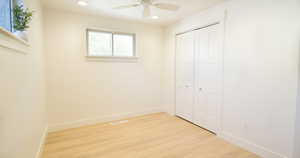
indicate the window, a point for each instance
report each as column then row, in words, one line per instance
column 6, row 14
column 123, row 45
column 110, row 44
column 11, row 39
column 100, row 43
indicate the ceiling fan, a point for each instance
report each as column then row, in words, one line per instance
column 147, row 3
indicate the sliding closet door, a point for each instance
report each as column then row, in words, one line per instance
column 185, row 75
column 208, row 79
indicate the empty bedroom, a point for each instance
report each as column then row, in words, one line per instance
column 149, row 79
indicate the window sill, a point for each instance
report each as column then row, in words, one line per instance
column 112, row 58
column 11, row 41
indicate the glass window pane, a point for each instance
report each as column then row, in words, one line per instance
column 123, row 45
column 99, row 43
column 5, row 14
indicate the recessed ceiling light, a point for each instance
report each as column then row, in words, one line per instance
column 82, row 2
column 154, row 17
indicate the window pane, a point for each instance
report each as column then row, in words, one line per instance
column 123, row 45
column 5, row 14
column 99, row 44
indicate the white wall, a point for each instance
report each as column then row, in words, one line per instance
column 81, row 91
column 260, row 72
column 297, row 131
column 22, row 97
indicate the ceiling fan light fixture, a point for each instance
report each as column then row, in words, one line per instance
column 146, row 4
column 154, row 17
column 82, row 2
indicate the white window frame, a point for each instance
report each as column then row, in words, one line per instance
column 93, row 57
column 9, row 40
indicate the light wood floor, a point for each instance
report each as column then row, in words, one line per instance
column 150, row 136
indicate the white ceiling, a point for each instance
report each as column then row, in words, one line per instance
column 104, row 8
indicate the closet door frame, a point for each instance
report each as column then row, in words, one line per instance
column 221, row 21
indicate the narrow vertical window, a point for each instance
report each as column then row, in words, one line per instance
column 5, row 15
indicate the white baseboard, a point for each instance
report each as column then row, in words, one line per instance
column 89, row 121
column 42, row 143
column 257, row 149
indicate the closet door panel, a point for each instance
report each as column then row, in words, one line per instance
column 208, row 79
column 185, row 75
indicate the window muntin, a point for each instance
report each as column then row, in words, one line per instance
column 110, row 44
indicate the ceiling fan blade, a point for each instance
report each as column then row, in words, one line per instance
column 166, row 6
column 146, row 12
column 126, row 6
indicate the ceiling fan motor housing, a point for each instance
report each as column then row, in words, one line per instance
column 146, row 2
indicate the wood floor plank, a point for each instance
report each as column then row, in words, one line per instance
column 151, row 136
